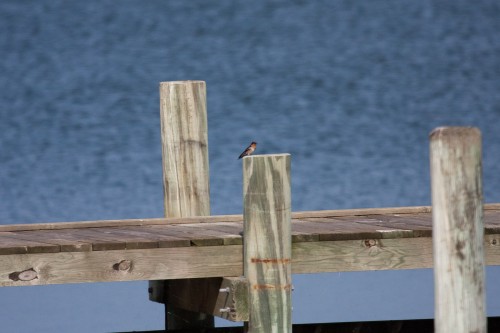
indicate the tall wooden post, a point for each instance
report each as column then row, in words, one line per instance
column 267, row 242
column 184, row 138
column 458, row 234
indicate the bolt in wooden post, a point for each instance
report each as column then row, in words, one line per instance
column 458, row 234
column 267, row 242
column 184, row 138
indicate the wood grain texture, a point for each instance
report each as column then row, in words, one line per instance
column 306, row 229
column 234, row 299
column 11, row 243
column 400, row 211
column 267, row 242
column 219, row 261
column 186, row 189
column 458, row 232
column 146, row 264
column 184, row 137
column 362, row 255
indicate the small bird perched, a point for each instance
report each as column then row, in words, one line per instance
column 249, row 150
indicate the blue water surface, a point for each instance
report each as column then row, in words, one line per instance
column 351, row 89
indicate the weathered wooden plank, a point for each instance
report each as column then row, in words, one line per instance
column 419, row 225
column 66, row 241
column 319, row 230
column 100, row 241
column 377, row 211
column 458, row 232
column 299, row 235
column 120, row 223
column 163, row 239
column 195, row 239
column 492, row 249
column 384, row 254
column 491, row 222
column 88, row 237
column 131, row 239
column 492, row 217
column 362, row 255
column 267, row 244
column 336, row 229
column 11, row 243
column 143, row 264
column 74, row 240
column 206, row 236
column 229, row 228
column 363, row 211
column 495, row 208
column 12, row 246
column 217, row 261
column 228, row 233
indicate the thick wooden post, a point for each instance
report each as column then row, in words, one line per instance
column 184, row 138
column 184, row 141
column 458, row 234
column 267, row 242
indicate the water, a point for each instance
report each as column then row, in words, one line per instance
column 350, row 89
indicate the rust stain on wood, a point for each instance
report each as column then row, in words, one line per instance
column 270, row 261
column 271, row 287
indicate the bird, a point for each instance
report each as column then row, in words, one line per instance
column 249, row 150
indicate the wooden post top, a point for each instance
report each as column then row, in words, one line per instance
column 183, row 82
column 266, row 155
column 455, row 131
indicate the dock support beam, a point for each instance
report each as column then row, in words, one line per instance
column 184, row 141
column 267, row 242
column 458, row 233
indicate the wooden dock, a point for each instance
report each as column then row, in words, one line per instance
column 239, row 267
column 175, row 248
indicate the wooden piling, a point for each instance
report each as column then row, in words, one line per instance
column 458, row 234
column 267, row 242
column 184, row 141
column 184, row 138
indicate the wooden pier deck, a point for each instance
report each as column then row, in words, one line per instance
column 180, row 248
column 201, row 266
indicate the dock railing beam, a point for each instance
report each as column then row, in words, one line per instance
column 184, row 141
column 267, row 242
column 458, row 232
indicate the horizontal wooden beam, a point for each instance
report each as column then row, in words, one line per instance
column 105, row 266
column 217, row 261
column 219, row 218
